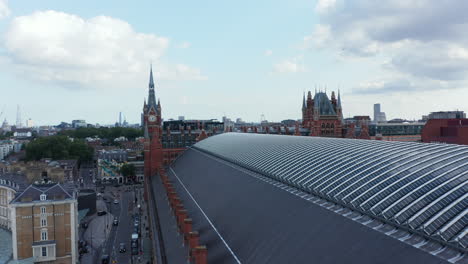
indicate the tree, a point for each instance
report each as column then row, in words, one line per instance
column 128, row 171
column 57, row 148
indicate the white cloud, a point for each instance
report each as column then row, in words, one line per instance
column 4, row 10
column 424, row 39
column 268, row 52
column 292, row 65
column 184, row 45
column 102, row 51
column 324, row 6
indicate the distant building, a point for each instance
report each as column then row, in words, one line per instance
column 379, row 116
column 29, row 123
column 118, row 155
column 452, row 131
column 357, row 127
column 22, row 133
column 181, row 118
column 447, row 115
column 109, row 171
column 79, row 123
column 393, row 131
column 9, row 146
column 45, row 224
column 321, row 115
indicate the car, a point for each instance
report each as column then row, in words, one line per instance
column 116, row 201
column 134, row 250
column 84, row 225
column 100, row 213
column 122, row 248
column 105, row 259
column 116, row 221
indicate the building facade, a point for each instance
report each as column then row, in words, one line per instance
column 45, row 224
column 452, row 131
column 163, row 143
column 321, row 115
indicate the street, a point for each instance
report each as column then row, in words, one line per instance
column 103, row 236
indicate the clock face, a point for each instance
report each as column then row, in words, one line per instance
column 152, row 118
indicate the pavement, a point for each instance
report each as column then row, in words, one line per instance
column 102, row 235
column 6, row 249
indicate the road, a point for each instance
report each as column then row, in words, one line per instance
column 122, row 232
column 86, row 175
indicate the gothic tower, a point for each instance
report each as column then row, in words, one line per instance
column 152, row 131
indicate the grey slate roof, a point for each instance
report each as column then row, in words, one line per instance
column 54, row 192
column 323, row 103
column 261, row 223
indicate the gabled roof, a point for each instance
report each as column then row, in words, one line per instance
column 54, row 192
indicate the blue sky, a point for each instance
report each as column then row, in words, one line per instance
column 64, row 60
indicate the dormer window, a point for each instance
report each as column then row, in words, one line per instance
column 43, row 197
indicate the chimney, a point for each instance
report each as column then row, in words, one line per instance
column 200, row 254
column 187, row 229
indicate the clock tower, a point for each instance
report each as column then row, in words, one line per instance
column 151, row 118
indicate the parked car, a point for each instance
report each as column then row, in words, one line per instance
column 134, row 250
column 116, row 201
column 100, row 213
column 84, row 225
column 105, row 259
column 116, row 221
column 122, row 248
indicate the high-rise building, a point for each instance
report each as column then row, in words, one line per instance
column 19, row 123
column 379, row 116
column 321, row 115
column 29, row 123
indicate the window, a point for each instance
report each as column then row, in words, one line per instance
column 43, row 197
column 44, row 235
column 43, row 222
column 43, row 210
column 44, row 251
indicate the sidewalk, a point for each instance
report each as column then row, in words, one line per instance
column 98, row 230
column 145, row 240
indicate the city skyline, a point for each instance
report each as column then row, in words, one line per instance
column 239, row 60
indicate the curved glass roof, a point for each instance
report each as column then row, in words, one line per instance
column 420, row 187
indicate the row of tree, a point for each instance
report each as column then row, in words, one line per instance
column 57, row 148
column 104, row 132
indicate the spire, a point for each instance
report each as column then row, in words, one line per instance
column 303, row 102
column 339, row 99
column 151, row 82
column 309, row 96
column 151, row 94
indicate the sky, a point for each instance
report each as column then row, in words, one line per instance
column 65, row 60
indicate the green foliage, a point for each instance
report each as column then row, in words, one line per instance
column 128, row 170
column 104, row 132
column 6, row 135
column 58, row 147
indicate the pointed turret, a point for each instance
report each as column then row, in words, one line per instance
column 303, row 102
column 151, row 82
column 339, row 99
column 309, row 96
column 151, row 94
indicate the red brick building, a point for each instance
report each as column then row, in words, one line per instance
column 321, row 115
column 163, row 143
column 453, row 131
